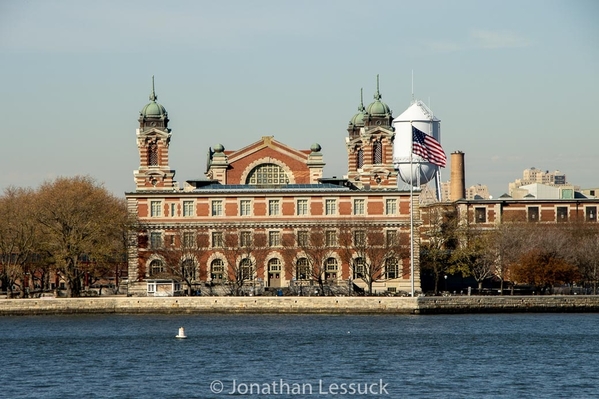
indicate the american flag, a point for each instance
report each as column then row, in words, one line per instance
column 428, row 148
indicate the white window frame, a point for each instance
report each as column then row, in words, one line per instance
column 216, row 207
column 245, row 207
column 155, row 208
column 188, row 208
column 390, row 206
column 330, row 206
column 274, row 207
column 362, row 208
column 302, row 210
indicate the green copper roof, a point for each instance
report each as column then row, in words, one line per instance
column 377, row 107
column 358, row 119
column 153, row 109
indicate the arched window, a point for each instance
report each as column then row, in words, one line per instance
column 331, row 269
column 359, row 268
column 302, row 269
column 217, row 270
column 267, row 174
column 246, row 269
column 188, row 269
column 274, row 265
column 391, row 268
column 153, row 154
column 377, row 152
column 360, row 158
column 156, row 267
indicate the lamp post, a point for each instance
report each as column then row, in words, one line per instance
column 446, row 282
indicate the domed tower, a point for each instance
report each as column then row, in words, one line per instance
column 153, row 138
column 370, row 145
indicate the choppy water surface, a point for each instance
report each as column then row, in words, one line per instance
column 289, row 356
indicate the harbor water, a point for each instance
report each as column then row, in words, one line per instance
column 300, row 356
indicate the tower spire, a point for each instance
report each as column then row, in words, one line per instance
column 377, row 95
column 153, row 96
column 361, row 107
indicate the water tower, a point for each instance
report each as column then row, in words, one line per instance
column 420, row 171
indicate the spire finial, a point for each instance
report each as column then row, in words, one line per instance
column 377, row 95
column 361, row 107
column 153, row 96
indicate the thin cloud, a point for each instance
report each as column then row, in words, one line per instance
column 496, row 39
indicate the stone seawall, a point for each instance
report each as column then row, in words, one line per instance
column 332, row 305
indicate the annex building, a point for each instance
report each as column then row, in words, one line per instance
column 265, row 219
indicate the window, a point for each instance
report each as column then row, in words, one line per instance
column 188, row 239
column 359, row 238
column 245, row 208
column 480, row 215
column 153, row 154
column 217, row 239
column 360, row 158
column 274, row 238
column 359, row 268
column 391, row 268
column 331, row 268
column 188, row 208
column 533, row 214
column 591, row 213
column 273, row 207
column 156, row 267
column 217, row 270
column 302, row 206
column 267, row 174
column 302, row 238
column 217, row 208
column 358, row 207
column 562, row 213
column 155, row 239
column 302, row 269
column 274, row 265
column 173, row 206
column 246, row 269
column 331, row 238
column 391, row 206
column 391, row 238
column 155, row 209
column 245, row 238
column 188, row 269
column 331, row 207
column 377, row 152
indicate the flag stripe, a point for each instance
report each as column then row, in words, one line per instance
column 428, row 148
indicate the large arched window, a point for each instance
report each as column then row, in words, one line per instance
column 331, row 269
column 267, row 174
column 156, row 267
column 359, row 268
column 246, row 269
column 188, row 269
column 302, row 269
column 217, row 270
column 391, row 268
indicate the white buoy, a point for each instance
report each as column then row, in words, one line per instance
column 181, row 333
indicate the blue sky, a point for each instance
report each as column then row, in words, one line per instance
column 515, row 83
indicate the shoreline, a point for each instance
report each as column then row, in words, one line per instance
column 301, row 305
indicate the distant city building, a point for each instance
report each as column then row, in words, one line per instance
column 478, row 191
column 537, row 176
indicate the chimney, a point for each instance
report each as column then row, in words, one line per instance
column 457, row 188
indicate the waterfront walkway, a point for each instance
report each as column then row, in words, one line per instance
column 332, row 305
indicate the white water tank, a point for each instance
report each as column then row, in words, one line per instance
column 422, row 118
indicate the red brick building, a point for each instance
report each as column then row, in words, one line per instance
column 265, row 217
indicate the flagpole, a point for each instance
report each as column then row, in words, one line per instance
column 411, row 212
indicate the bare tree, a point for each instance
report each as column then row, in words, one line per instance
column 182, row 255
column 440, row 239
column 243, row 254
column 474, row 256
column 370, row 251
